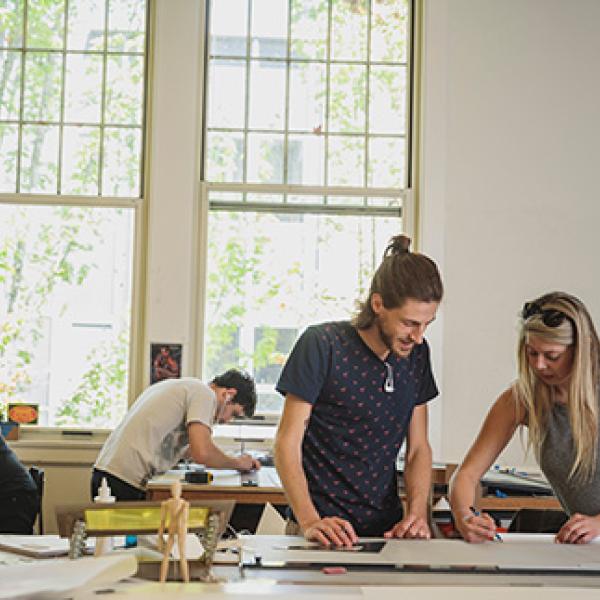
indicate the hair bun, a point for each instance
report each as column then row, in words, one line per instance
column 399, row 244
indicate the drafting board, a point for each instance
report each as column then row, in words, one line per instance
column 517, row 483
column 532, row 554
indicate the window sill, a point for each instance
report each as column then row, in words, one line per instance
column 55, row 438
column 56, row 444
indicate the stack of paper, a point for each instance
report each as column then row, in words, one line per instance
column 58, row 579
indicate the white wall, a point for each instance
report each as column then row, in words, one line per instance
column 511, row 157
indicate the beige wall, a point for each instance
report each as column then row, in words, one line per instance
column 510, row 201
column 67, row 467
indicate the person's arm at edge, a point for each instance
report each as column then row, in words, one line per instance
column 417, row 479
column 288, row 461
column 497, row 430
column 203, row 450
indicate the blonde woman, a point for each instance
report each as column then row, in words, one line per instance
column 556, row 398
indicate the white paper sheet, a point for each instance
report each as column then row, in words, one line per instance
column 225, row 472
column 271, row 522
column 268, row 477
column 58, row 579
column 39, row 546
column 538, row 538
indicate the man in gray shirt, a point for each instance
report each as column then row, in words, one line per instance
column 170, row 420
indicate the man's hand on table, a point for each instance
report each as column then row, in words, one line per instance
column 411, row 527
column 330, row 531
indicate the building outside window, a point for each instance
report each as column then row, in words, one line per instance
column 306, row 171
column 71, row 153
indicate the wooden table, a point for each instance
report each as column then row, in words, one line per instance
column 229, row 486
column 514, row 503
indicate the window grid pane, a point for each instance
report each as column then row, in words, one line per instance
column 66, row 273
column 305, row 182
column 290, row 270
column 59, row 80
column 294, row 84
column 66, row 324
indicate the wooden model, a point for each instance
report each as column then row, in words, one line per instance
column 176, row 509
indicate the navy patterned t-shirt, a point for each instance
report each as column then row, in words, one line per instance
column 356, row 428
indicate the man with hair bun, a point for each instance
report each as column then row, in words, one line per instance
column 354, row 391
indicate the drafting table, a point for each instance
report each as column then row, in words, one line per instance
column 520, row 559
column 232, row 485
column 517, row 487
column 257, row 487
column 514, row 503
column 301, row 583
column 518, row 483
column 226, row 485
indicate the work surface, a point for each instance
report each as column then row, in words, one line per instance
column 521, row 560
column 266, row 589
column 517, row 553
column 285, row 573
column 523, row 566
column 256, row 487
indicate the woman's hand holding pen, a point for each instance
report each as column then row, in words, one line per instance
column 475, row 527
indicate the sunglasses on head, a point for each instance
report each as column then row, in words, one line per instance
column 551, row 317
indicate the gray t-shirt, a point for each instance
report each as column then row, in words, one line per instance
column 153, row 435
column 556, row 459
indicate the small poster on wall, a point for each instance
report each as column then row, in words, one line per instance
column 24, row 413
column 165, row 361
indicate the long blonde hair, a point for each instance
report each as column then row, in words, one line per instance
column 535, row 396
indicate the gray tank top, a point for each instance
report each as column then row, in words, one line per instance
column 556, row 459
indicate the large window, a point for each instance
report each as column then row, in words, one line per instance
column 306, row 168
column 71, row 139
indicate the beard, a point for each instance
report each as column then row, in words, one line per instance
column 389, row 340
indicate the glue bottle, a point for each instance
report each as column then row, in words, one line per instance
column 103, row 544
